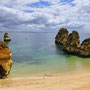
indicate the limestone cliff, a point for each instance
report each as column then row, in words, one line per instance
column 5, row 60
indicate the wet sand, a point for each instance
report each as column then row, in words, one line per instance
column 71, row 81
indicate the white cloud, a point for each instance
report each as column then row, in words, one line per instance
column 72, row 15
column 22, row 2
column 52, row 1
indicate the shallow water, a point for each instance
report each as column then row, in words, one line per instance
column 35, row 54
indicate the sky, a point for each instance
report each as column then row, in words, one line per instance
column 44, row 15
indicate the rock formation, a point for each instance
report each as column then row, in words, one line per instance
column 85, row 48
column 72, row 43
column 62, row 36
column 6, row 37
column 5, row 60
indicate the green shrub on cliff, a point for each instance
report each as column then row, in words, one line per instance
column 87, row 40
column 3, row 44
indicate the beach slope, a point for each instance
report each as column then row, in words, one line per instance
column 80, row 81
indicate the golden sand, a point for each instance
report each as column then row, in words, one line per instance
column 71, row 81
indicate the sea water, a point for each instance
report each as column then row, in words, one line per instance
column 36, row 54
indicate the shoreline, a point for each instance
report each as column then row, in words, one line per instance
column 20, row 78
column 71, row 81
column 47, row 75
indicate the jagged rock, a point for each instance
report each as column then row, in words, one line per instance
column 6, row 37
column 86, row 44
column 62, row 36
column 73, row 39
column 85, row 48
column 72, row 44
column 5, row 60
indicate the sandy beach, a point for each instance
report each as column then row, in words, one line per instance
column 71, row 81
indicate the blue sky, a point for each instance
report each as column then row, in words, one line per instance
column 39, row 15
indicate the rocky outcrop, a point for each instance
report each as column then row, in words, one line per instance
column 6, row 37
column 85, row 48
column 5, row 60
column 73, row 39
column 72, row 44
column 62, row 36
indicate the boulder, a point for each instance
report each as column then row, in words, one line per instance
column 5, row 60
column 6, row 37
column 86, row 44
column 85, row 48
column 62, row 36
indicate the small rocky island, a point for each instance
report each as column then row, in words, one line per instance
column 71, row 43
column 6, row 37
column 5, row 60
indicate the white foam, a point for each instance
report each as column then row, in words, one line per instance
column 28, row 78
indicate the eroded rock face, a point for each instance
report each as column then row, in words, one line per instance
column 86, row 44
column 85, row 48
column 6, row 37
column 5, row 60
column 72, row 44
column 62, row 36
column 5, row 67
column 73, row 39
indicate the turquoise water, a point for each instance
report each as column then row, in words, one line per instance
column 35, row 54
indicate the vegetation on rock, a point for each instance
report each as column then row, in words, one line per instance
column 3, row 44
column 6, row 37
column 62, row 36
